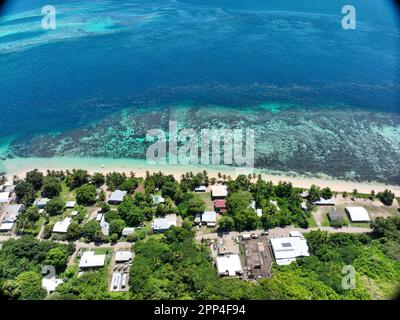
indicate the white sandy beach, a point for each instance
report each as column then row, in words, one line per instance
column 19, row 166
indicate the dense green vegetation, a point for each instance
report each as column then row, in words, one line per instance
column 20, row 266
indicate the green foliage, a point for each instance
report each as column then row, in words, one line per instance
column 386, row 197
column 92, row 231
column 74, row 231
column 172, row 190
column 98, row 179
column 35, row 178
column 21, row 259
column 226, row 224
column 25, row 193
column 26, row 222
column 116, row 227
column 326, row 193
column 57, row 257
column 51, row 187
column 86, row 195
column 77, row 178
column 55, row 206
column 130, row 213
column 114, row 180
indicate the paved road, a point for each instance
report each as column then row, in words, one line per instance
column 279, row 232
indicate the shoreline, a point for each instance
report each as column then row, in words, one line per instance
column 19, row 167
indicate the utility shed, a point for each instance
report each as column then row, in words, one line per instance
column 357, row 214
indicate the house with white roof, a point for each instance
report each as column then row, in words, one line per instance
column 357, row 214
column 70, row 204
column 287, row 249
column 209, row 218
column 117, row 197
column 62, row 226
column 90, row 260
column 229, row 265
column 219, row 191
column 123, row 256
column 200, row 189
column 157, row 199
column 127, row 231
column 6, row 226
column 4, row 197
column 41, row 203
column 12, row 212
column 324, row 202
column 50, row 285
column 163, row 224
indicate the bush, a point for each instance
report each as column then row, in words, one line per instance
column 386, row 197
column 86, row 195
column 55, row 206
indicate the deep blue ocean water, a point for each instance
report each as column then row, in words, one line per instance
column 106, row 56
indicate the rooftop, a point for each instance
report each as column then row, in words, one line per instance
column 227, row 246
column 62, row 226
column 324, row 202
column 209, row 216
column 357, row 214
column 219, row 191
column 229, row 265
column 117, row 196
column 165, row 223
column 51, row 284
column 288, row 249
column 123, row 256
column 220, row 204
column 4, row 197
column 90, row 260
column 12, row 212
column 6, row 226
column 41, row 202
column 70, row 204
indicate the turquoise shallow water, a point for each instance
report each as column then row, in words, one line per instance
column 267, row 62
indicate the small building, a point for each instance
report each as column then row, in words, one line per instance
column 227, row 246
column 304, row 194
column 123, row 256
column 209, row 218
column 303, row 206
column 62, row 226
column 50, row 285
column 287, row 249
column 117, row 197
column 324, row 202
column 99, row 216
column 220, row 205
column 246, row 236
column 163, row 224
column 197, row 219
column 70, row 204
column 6, row 226
column 229, row 265
column 9, row 188
column 157, row 199
column 74, row 213
column 4, row 197
column 127, row 231
column 335, row 216
column 12, row 212
column 357, row 214
column 219, row 192
column 259, row 212
column 90, row 260
column 41, row 203
column 295, row 233
column 105, row 226
column 200, row 189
